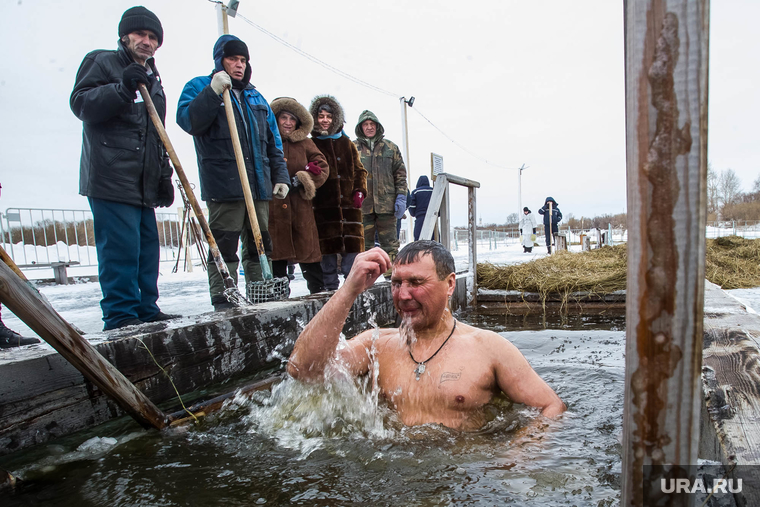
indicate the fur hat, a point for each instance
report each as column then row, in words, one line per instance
column 292, row 106
column 336, row 110
column 140, row 18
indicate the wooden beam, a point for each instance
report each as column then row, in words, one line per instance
column 439, row 188
column 43, row 320
column 472, row 242
column 666, row 48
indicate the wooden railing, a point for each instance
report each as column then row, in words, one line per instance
column 439, row 208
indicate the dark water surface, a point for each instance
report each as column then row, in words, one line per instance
column 332, row 445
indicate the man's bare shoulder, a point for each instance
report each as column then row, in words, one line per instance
column 492, row 346
column 482, row 336
column 379, row 336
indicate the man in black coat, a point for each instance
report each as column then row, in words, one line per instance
column 124, row 169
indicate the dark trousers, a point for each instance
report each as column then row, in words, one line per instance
column 418, row 222
column 126, row 239
column 312, row 273
column 385, row 226
column 229, row 224
column 330, row 268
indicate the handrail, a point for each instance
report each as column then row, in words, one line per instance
column 439, row 207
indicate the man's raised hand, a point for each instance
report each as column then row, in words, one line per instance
column 368, row 267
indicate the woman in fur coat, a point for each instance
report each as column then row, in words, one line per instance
column 291, row 220
column 338, row 204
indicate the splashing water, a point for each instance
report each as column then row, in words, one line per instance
column 300, row 416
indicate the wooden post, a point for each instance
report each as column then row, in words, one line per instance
column 445, row 216
column 666, row 48
column 43, row 320
column 472, row 234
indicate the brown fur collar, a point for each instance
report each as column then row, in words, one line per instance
column 309, row 189
column 338, row 114
column 292, row 106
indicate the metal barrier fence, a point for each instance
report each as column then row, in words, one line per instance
column 58, row 235
column 493, row 239
column 37, row 237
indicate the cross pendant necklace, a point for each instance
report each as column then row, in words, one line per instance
column 420, row 369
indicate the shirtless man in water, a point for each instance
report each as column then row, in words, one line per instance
column 433, row 369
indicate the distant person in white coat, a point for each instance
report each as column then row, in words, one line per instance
column 527, row 230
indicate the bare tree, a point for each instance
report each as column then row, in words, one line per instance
column 512, row 218
column 712, row 190
column 756, row 185
column 729, row 187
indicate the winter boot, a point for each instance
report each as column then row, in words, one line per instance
column 529, row 249
column 221, row 303
column 291, row 271
column 9, row 338
column 548, row 249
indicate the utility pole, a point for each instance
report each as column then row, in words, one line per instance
column 405, row 148
column 221, row 19
column 519, row 192
column 223, row 13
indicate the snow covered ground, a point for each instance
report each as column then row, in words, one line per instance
column 187, row 293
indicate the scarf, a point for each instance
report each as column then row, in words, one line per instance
column 336, row 135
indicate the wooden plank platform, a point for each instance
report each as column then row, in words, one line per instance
column 730, row 431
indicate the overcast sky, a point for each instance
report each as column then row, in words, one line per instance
column 512, row 82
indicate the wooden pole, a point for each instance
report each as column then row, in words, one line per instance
column 43, row 320
column 472, row 232
column 666, row 49
column 229, row 283
column 265, row 271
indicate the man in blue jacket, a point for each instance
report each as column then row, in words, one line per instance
column 418, row 204
column 552, row 218
column 201, row 113
column 124, row 170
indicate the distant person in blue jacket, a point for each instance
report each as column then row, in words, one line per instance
column 201, row 113
column 551, row 220
column 418, row 204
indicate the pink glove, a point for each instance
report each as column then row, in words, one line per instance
column 313, row 168
column 358, row 199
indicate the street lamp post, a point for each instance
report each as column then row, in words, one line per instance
column 519, row 191
column 405, row 149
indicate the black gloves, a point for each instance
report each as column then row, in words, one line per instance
column 133, row 74
column 534, row 230
column 165, row 193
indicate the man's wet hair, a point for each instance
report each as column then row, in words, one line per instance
column 444, row 262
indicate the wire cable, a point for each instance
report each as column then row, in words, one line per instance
column 484, row 160
column 317, row 60
column 363, row 83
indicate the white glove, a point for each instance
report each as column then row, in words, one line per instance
column 280, row 191
column 220, row 81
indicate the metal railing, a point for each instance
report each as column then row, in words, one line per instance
column 37, row 237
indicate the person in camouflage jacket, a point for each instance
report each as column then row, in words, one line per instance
column 386, row 183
